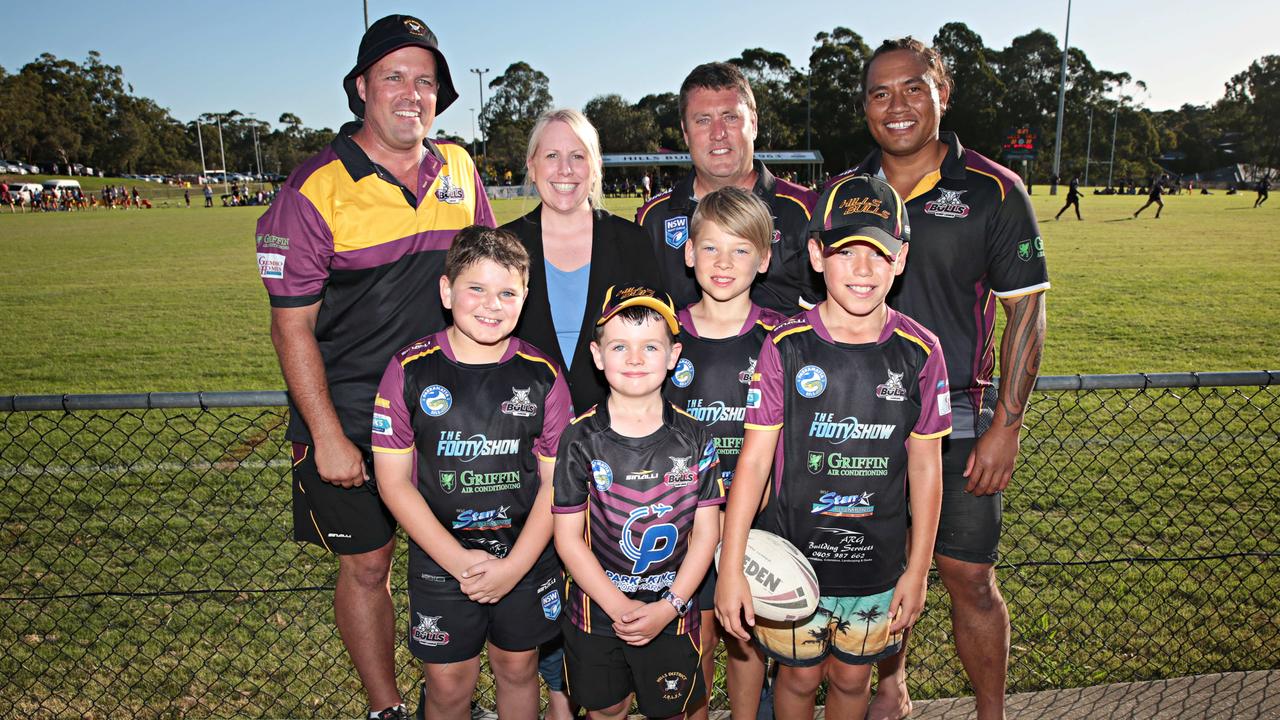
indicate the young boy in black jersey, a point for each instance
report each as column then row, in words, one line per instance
column 465, row 429
column 849, row 408
column 720, row 338
column 637, row 496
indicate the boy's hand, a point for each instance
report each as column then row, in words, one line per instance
column 640, row 625
column 467, row 559
column 908, row 601
column 489, row 580
column 733, row 603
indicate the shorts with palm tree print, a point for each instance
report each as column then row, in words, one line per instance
column 855, row 629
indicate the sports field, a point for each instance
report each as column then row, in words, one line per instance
column 110, row 504
column 169, row 299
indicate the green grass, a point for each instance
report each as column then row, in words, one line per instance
column 169, row 299
column 144, row 503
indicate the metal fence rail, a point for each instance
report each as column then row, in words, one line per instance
column 146, row 567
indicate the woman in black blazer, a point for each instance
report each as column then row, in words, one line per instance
column 569, row 231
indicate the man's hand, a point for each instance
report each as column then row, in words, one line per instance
column 339, row 462
column 908, row 601
column 640, row 625
column 733, row 602
column 990, row 465
column 490, row 580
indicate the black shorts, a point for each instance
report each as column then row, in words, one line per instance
column 345, row 521
column 446, row 626
column 601, row 671
column 707, row 590
column 969, row 526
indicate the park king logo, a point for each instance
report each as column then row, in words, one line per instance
column 948, row 204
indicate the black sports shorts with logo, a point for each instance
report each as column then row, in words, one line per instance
column 446, row 626
column 601, row 671
column 344, row 521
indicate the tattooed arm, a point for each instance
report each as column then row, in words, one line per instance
column 991, row 463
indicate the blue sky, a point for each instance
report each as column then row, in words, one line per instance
column 266, row 58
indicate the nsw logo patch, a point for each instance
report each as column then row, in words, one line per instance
column 677, row 231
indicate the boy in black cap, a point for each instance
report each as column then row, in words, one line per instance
column 637, row 496
column 354, row 241
column 849, row 409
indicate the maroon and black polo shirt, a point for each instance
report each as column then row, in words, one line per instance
column 974, row 241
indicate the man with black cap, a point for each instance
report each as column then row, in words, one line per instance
column 351, row 253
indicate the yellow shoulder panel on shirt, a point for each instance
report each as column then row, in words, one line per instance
column 792, row 331
column 534, row 358
column 914, row 339
column 799, row 202
column 994, row 179
column 422, row 354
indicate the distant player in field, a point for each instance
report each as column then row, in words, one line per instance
column 720, row 339
column 1157, row 189
column 849, row 407
column 1073, row 198
column 637, row 519
column 465, row 427
column 1263, row 186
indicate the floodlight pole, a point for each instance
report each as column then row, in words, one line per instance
column 484, row 146
column 808, row 114
column 473, row 129
column 1088, row 149
column 366, row 14
column 1111, row 167
column 200, row 139
column 226, row 186
column 1062, row 98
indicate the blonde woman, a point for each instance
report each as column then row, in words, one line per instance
column 577, row 249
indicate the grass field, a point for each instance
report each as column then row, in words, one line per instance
column 127, row 506
column 169, row 299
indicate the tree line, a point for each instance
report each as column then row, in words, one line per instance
column 55, row 110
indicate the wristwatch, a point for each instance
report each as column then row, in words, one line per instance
column 681, row 606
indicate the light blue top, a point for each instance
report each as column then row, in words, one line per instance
column 567, row 292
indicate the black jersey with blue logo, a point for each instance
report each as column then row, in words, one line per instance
column 713, row 376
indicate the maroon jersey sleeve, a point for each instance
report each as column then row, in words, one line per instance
column 295, row 247
column 557, row 412
column 392, row 430
column 935, row 398
column 764, row 397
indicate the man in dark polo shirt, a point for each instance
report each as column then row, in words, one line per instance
column 351, row 253
column 718, row 116
column 974, row 243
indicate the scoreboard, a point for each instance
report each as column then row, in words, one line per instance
column 1021, row 142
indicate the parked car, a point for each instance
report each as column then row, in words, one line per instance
column 63, row 185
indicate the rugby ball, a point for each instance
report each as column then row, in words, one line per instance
column 784, row 587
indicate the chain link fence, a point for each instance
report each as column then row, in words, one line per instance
column 147, row 570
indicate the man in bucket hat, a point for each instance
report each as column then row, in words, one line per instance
column 351, row 252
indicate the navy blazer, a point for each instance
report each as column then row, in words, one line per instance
column 620, row 254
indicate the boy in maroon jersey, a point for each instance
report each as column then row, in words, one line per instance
column 637, row 496
column 465, row 427
column 850, row 409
